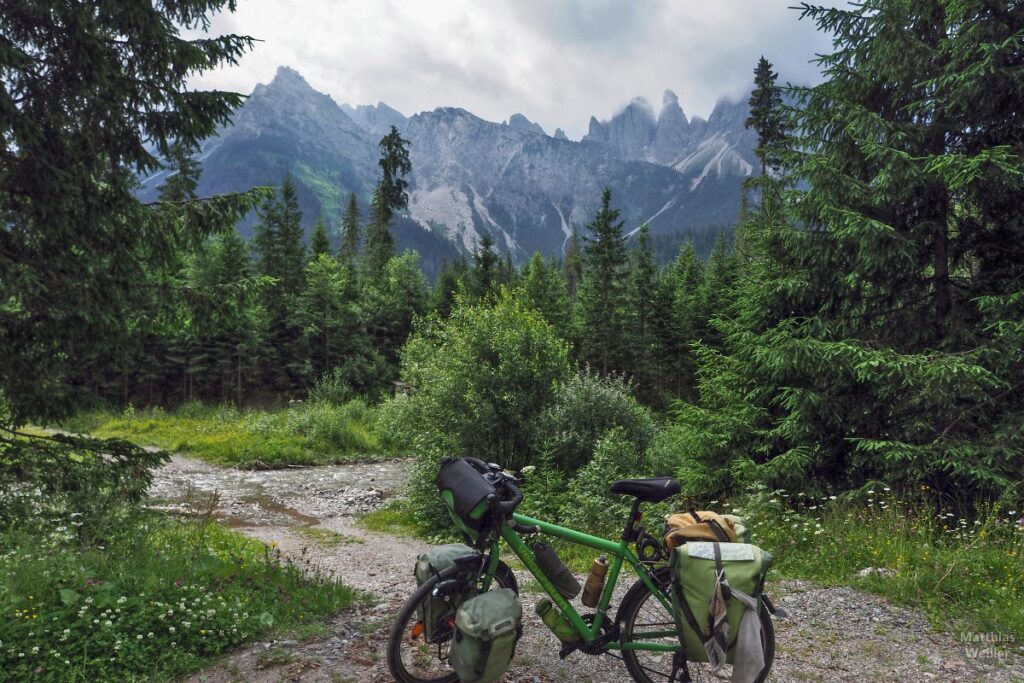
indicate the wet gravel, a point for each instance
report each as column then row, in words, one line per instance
column 831, row 634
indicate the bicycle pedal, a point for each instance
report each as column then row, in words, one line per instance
column 567, row 649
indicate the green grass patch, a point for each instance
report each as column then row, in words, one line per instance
column 314, row 433
column 396, row 518
column 966, row 575
column 326, row 537
column 152, row 600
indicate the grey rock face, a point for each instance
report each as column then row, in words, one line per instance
column 378, row 119
column 527, row 190
column 471, row 176
column 520, row 122
column 672, row 136
column 598, row 131
column 633, row 129
column 720, row 148
column 560, row 134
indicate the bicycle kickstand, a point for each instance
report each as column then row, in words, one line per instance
column 679, row 665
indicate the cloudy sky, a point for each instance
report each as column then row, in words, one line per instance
column 556, row 61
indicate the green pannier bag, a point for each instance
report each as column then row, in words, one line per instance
column 694, row 573
column 435, row 612
column 487, row 628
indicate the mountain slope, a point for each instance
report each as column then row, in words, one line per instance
column 472, row 176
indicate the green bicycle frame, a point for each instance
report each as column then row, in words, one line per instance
column 619, row 554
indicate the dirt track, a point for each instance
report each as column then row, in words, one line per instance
column 831, row 635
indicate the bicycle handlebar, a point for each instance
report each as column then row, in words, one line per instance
column 506, row 507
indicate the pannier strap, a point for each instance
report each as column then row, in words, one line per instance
column 485, row 650
column 712, row 524
column 722, row 578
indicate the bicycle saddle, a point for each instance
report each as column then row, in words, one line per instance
column 648, row 490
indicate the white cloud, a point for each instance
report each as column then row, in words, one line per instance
column 556, row 62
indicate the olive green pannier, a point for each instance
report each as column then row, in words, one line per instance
column 487, row 628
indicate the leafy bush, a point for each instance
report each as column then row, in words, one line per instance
column 479, row 380
column 587, row 504
column 332, row 387
column 583, row 410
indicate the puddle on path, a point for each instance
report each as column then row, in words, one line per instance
column 288, row 497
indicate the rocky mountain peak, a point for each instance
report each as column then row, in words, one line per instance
column 598, row 131
column 673, row 133
column 287, row 77
column 560, row 134
column 378, row 119
column 520, row 122
column 632, row 130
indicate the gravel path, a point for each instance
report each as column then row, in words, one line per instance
column 834, row 634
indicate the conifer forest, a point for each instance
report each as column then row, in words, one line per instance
column 858, row 328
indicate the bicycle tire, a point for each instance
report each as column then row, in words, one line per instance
column 398, row 643
column 653, row 667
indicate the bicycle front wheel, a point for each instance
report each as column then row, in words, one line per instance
column 410, row 658
column 643, row 618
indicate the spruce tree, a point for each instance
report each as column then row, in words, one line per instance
column 319, row 241
column 766, row 116
column 380, row 244
column 281, row 256
column 544, row 289
column 450, row 284
column 485, row 271
column 348, row 251
column 640, row 297
column 184, row 177
column 92, row 96
column 324, row 313
column 389, row 197
column 602, row 297
column 572, row 264
column 880, row 337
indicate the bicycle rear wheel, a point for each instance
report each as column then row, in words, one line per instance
column 642, row 613
column 410, row 658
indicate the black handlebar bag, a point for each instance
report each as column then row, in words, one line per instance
column 465, row 492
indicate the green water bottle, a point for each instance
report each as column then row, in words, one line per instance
column 555, row 621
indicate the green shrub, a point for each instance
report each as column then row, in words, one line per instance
column 587, row 504
column 672, row 454
column 583, row 410
column 479, row 380
column 332, row 387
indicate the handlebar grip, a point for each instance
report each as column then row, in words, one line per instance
column 505, row 508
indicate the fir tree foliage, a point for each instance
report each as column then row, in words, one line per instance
column 545, row 290
column 602, row 297
column 486, row 275
column 319, row 241
column 77, row 244
column 348, row 251
column 640, row 297
column 281, row 256
column 879, row 340
column 389, row 197
column 766, row 116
